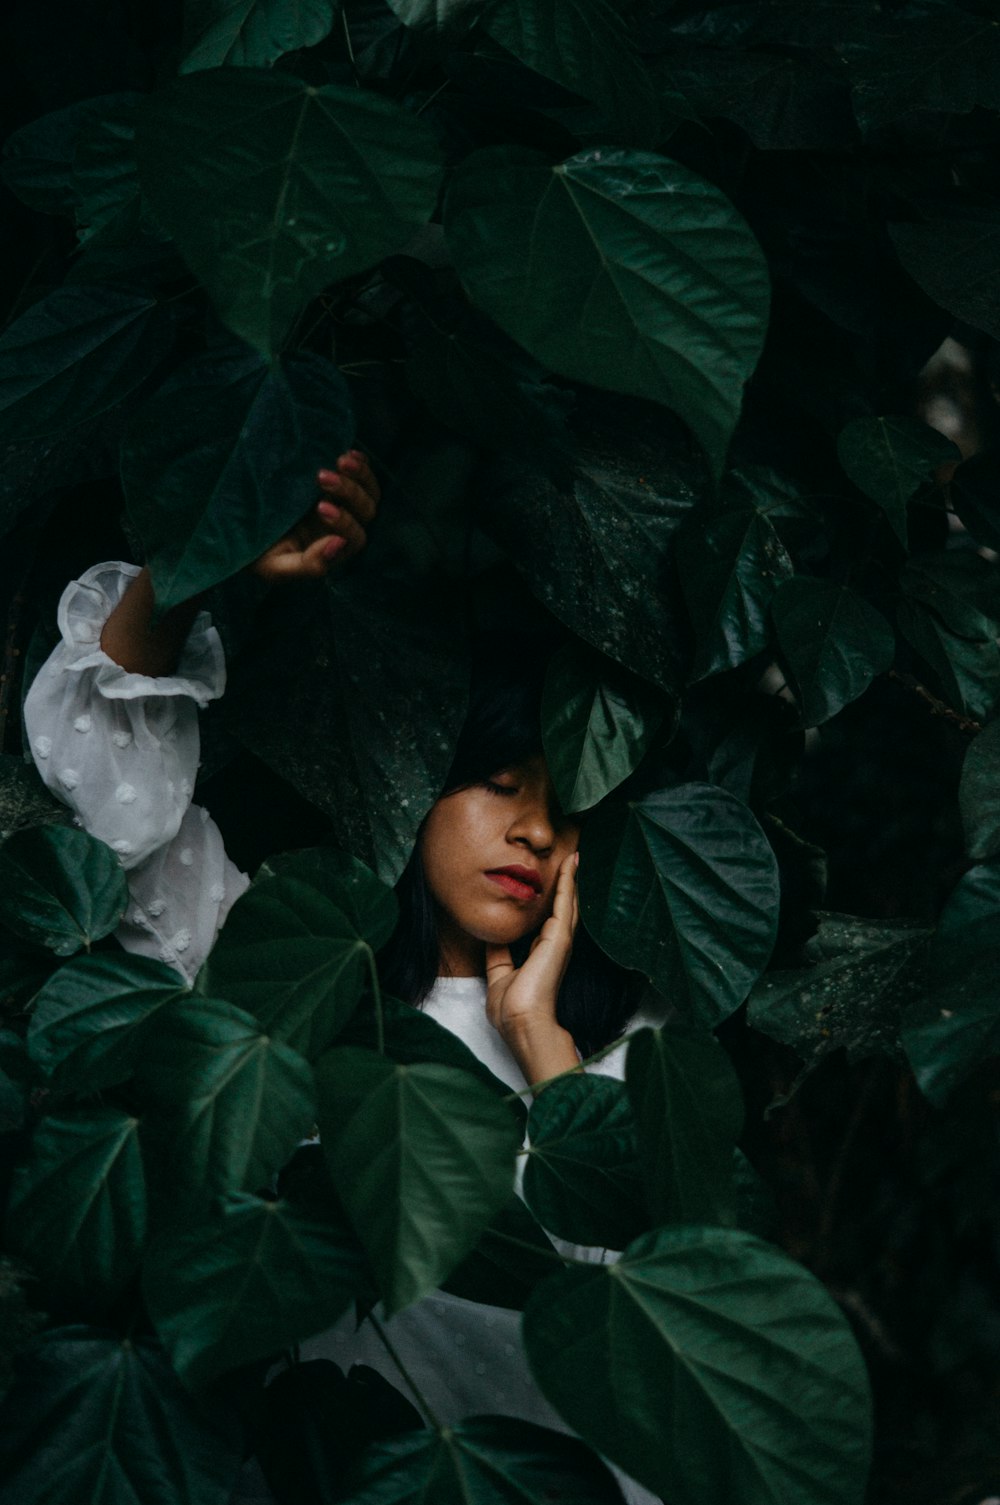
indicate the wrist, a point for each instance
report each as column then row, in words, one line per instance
column 541, row 1048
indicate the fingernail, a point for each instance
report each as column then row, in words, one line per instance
column 328, row 510
column 576, row 859
column 332, row 547
column 333, row 482
column 326, row 475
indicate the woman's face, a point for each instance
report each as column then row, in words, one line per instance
column 491, row 854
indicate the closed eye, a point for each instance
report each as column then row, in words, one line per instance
column 495, row 788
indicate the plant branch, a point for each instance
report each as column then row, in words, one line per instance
column 938, row 707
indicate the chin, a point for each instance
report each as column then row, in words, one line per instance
column 500, row 930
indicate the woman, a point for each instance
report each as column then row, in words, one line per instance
column 112, row 725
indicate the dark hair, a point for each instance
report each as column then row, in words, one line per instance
column 502, row 729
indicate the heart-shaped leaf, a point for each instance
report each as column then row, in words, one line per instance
column 833, row 643
column 251, row 33
column 888, row 458
column 60, row 888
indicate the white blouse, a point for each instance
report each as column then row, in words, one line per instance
column 122, row 751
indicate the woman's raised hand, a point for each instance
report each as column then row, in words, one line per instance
column 335, row 529
column 521, row 1001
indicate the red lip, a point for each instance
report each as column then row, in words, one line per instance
column 520, row 882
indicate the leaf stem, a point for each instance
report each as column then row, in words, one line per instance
column 411, row 1383
column 350, row 47
column 523, row 1243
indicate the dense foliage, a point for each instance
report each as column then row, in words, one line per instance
column 629, row 303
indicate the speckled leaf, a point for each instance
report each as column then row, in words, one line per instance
column 683, row 886
column 888, row 458
column 688, row 1110
column 222, row 460
column 251, row 33
column 581, row 1178
column 484, row 1460
column 77, row 1208
column 620, row 269
column 833, row 643
column 258, row 1277
column 303, row 186
column 60, row 888
column 709, row 1366
column 979, row 793
column 597, row 723
column 24, row 799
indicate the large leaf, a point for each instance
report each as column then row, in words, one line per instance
column 597, row 722
column 888, row 458
column 423, row 1158
column 105, row 176
column 512, row 1256
column 683, row 886
column 223, row 460
column 75, row 353
column 60, row 888
column 832, row 642
column 78, row 1208
column 38, row 158
column 258, row 1277
column 688, row 1109
column 620, row 269
column 302, row 186
column 584, row 46
column 858, row 978
column 711, row 1367
column 953, row 1027
column 979, row 794
column 954, row 258
column 251, row 33
column 293, row 955
column 104, row 1419
column 486, row 1460
column 226, row 1103
column 963, row 658
column 731, row 562
column 86, row 1023
column 944, row 60
column 581, row 1179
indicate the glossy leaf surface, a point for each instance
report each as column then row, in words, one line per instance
column 888, row 458
column 60, row 888
column 252, row 33
column 709, row 1366
column 683, row 886
column 833, row 642
column 423, row 1158
column 598, row 263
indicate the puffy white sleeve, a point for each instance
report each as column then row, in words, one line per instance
column 122, row 751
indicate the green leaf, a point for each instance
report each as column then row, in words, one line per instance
column 597, row 723
column 731, row 562
column 292, row 957
column 512, row 1256
column 60, row 888
column 222, row 460
column 955, row 258
column 619, row 269
column 960, row 586
column 303, row 186
column 18, row 1322
column 974, row 496
column 104, row 1419
column 889, row 458
column 979, row 794
column 38, row 158
column 252, row 33
column 24, row 799
column 832, row 642
column 858, row 978
column 581, row 1179
column 944, row 60
column 75, row 353
column 710, row 1367
column 683, row 886
column 965, row 663
column 688, row 1109
column 423, row 1158
column 953, row 1028
column 258, row 1277
column 227, row 1104
column 78, row 1208
column 86, row 1025
column 105, row 175
column 584, row 46
column 487, row 1460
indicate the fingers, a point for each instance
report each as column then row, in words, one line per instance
column 352, row 486
column 565, row 908
column 336, row 520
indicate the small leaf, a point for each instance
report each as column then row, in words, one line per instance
column 597, row 723
column 620, row 269
column 86, row 1023
column 252, row 33
column 104, row 1419
column 683, row 886
column 227, row 1104
column 303, row 186
column 78, row 1208
column 60, row 888
column 75, row 353
column 688, row 1109
column 258, row 1277
column 486, row 1460
column 222, row 461
column 979, row 794
column 833, row 643
column 710, row 1367
column 888, row 458
column 422, row 1157
column 292, row 957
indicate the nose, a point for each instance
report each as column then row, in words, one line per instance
column 533, row 827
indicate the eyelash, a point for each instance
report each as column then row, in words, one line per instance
column 499, row 788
